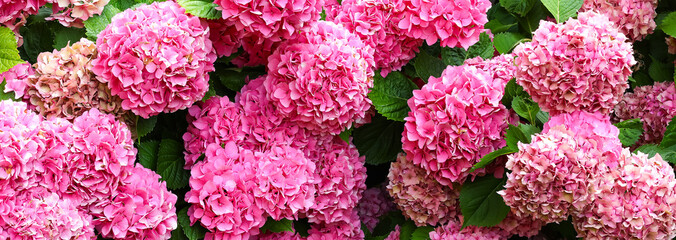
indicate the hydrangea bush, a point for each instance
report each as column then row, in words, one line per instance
column 335, row 120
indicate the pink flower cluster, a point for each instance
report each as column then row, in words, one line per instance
column 582, row 64
column 454, row 121
column 635, row 18
column 155, row 58
column 13, row 11
column 655, row 105
column 453, row 231
column 374, row 203
column 15, row 79
column 501, row 67
column 376, row 23
column 73, row 13
column 349, row 229
column 321, row 80
column 455, row 23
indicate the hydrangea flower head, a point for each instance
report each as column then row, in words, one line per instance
column 73, row 13
column 15, row 79
column 524, row 226
column 655, row 105
column 454, row 121
column 454, row 231
column 375, row 203
column 592, row 130
column 19, row 146
column 225, row 37
column 156, row 58
column 346, row 229
column 12, row 11
column 582, row 64
column 635, row 18
column 501, row 67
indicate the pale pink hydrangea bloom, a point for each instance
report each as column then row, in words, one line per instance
column 635, row 18
column 419, row 196
column 19, row 144
column 271, row 19
column 394, row 235
column 637, row 200
column 655, row 105
column 456, row 23
column 40, row 214
column 551, row 177
column 376, row 23
column 15, row 79
column 592, row 130
column 501, row 67
column 342, row 179
column 374, row 203
column 582, row 64
column 142, row 208
column 452, row 231
column 524, row 226
column 156, row 58
column 321, row 80
column 454, row 121
column 225, row 37
column 348, row 228
column 73, row 13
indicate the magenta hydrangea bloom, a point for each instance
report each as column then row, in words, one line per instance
column 15, row 79
column 454, row 121
column 419, row 196
column 19, row 144
column 156, row 58
column 271, row 19
column 278, row 236
column 655, row 105
column 73, row 13
column 376, row 23
column 523, row 226
column 321, row 80
column 455, row 23
column 221, row 190
column 142, row 208
column 453, row 231
column 501, row 67
column 256, row 51
column 394, row 235
column 348, row 228
column 40, row 214
column 637, row 200
column 582, row 64
column 374, row 203
column 635, row 18
column 101, row 148
column 225, row 37
column 551, row 177
column 342, row 179
column 12, row 11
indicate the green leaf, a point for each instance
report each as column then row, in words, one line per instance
column 513, row 136
column 512, row 90
column 390, row 95
column 457, row 56
column 660, row 71
column 529, row 130
column 630, row 131
column 211, row 92
column 147, row 154
column 505, row 42
column 427, row 66
column 283, row 225
column 145, row 126
column 65, row 36
column 518, row 7
column 37, row 38
column 668, row 24
column 480, row 203
column 500, row 19
column 488, row 159
column 3, row 95
column 562, row 10
column 422, row 233
column 379, row 141
column 345, row 135
column 651, row 150
column 542, row 117
column 531, row 22
column 94, row 25
column 126, row 4
column 201, row 8
column 177, row 234
column 387, row 223
column 170, row 162
column 235, row 78
column 192, row 232
column 669, row 139
column 525, row 108
column 406, row 230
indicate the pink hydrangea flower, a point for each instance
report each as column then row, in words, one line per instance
column 582, row 64
column 501, row 67
column 376, row 23
column 342, row 179
column 156, row 58
column 454, row 23
column 12, row 11
column 255, row 51
column 278, row 236
column 523, row 226
column 15, row 79
column 225, row 37
column 635, row 18
column 142, row 208
column 271, row 19
column 40, row 214
column 20, row 146
column 592, row 130
column 637, row 200
column 221, row 190
column 454, row 121
column 375, row 203
column 453, row 231
column 655, row 105
column 345, row 229
column 394, row 235
column 73, row 13
column 321, row 80
column 419, row 196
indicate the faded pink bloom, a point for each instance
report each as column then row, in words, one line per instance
column 635, row 18
column 375, row 203
column 345, row 229
column 456, row 23
column 636, row 200
column 452, row 231
column 320, row 81
column 156, row 58
column 376, row 23
column 522, row 226
column 454, row 121
column 655, row 105
column 73, row 13
column 142, row 208
column 582, row 64
column 16, row 79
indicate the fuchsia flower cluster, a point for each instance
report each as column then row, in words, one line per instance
column 634, row 18
column 655, row 105
column 61, row 180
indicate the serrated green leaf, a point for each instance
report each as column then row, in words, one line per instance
column 651, row 150
column 630, row 131
column 422, row 233
column 488, row 159
column 126, row 4
column 480, row 203
column 457, row 56
column 427, row 66
column 512, row 90
column 37, row 38
column 406, row 230
column 201, row 8
column 528, row 130
column 271, row 225
column 514, row 135
column 390, row 95
column 531, row 21
column 562, row 10
column 669, row 139
column 177, row 234
column 500, row 19
column 379, row 141
column 660, row 71
column 525, row 108
column 518, row 7
column 145, row 126
column 94, row 25
column 505, row 42
column 170, row 162
column 542, row 117
column 387, row 223
column 147, row 154
column 66, row 36
column 668, row 24
column 235, row 78
column 194, row 232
